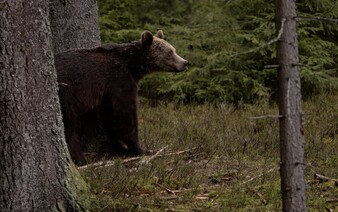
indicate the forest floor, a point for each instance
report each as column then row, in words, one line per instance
column 217, row 158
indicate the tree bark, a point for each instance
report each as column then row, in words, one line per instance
column 35, row 169
column 74, row 24
column 291, row 130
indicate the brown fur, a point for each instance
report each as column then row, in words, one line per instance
column 105, row 79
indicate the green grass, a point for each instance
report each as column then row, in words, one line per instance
column 232, row 160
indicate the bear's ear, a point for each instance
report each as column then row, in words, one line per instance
column 146, row 39
column 160, row 34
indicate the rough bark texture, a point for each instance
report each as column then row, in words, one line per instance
column 291, row 129
column 34, row 161
column 74, row 24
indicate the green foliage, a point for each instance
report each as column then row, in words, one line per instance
column 226, row 45
column 318, row 47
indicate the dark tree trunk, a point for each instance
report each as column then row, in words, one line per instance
column 35, row 169
column 291, row 129
column 74, row 24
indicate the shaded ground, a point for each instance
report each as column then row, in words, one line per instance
column 229, row 162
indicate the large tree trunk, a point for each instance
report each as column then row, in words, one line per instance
column 291, row 129
column 36, row 174
column 74, row 24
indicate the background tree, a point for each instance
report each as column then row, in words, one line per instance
column 291, row 126
column 75, row 25
column 36, row 173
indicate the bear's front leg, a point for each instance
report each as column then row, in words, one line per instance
column 126, row 123
column 121, row 125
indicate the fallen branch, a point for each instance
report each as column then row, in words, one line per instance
column 322, row 178
column 253, row 178
column 101, row 163
column 332, row 200
column 147, row 159
column 216, row 197
column 128, row 160
column 179, row 152
column 265, row 116
column 112, row 162
column 180, row 190
column 202, row 197
column 259, row 195
column 165, row 188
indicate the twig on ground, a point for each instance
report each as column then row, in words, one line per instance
column 101, row 163
column 147, row 159
column 202, row 197
column 216, row 197
column 265, row 116
column 322, row 178
column 261, row 197
column 112, row 162
column 332, row 200
column 178, row 191
column 179, row 152
column 255, row 177
column 165, row 188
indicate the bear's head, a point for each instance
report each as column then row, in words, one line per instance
column 161, row 56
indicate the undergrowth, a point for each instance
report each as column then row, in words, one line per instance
column 231, row 162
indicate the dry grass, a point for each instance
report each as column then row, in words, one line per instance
column 232, row 165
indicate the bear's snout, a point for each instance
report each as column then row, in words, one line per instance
column 183, row 66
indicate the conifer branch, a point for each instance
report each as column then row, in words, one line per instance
column 280, row 32
column 316, row 18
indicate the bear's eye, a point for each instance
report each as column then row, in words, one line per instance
column 170, row 53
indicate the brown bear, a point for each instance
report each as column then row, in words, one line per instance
column 105, row 79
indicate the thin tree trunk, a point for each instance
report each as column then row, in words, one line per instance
column 35, row 170
column 74, row 24
column 291, row 129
